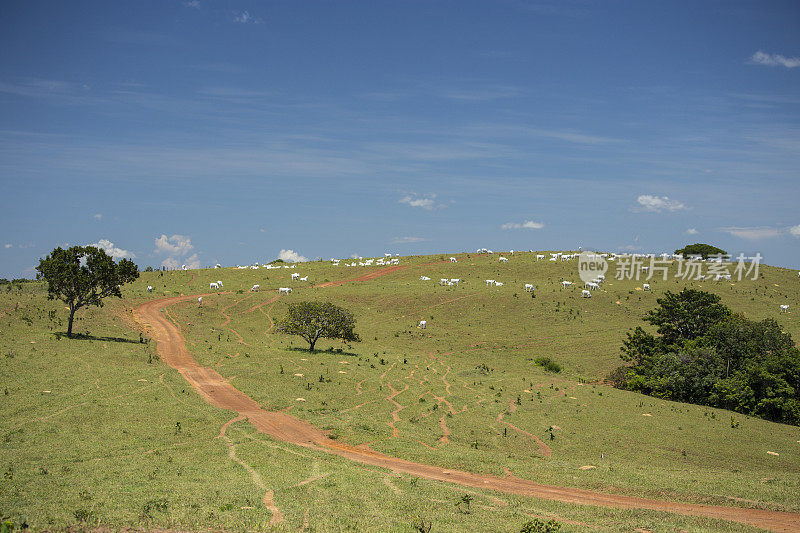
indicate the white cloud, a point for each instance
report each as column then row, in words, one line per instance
column 113, row 251
column 192, row 3
column 98, row 216
column 752, row 234
column 355, row 256
column 774, row 60
column 656, row 204
column 174, row 245
column 692, row 231
column 262, row 230
column 291, row 256
column 795, row 230
column 170, row 262
column 405, row 240
column 427, row 202
column 528, row 224
column 9, row 245
column 246, row 18
column 192, row 261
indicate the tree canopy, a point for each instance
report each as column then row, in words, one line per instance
column 703, row 250
column 707, row 355
column 81, row 276
column 315, row 320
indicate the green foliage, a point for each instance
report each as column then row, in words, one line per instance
column 315, row 320
column 700, row 249
column 537, row 525
column 706, row 355
column 82, row 276
column 548, row 364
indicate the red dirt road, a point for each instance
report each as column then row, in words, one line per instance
column 281, row 426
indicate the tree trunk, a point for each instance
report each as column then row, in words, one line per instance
column 71, row 317
column 312, row 343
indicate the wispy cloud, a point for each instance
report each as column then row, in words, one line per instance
column 98, row 216
column 292, row 256
column 9, row 245
column 795, row 231
column 405, row 240
column 192, row 3
column 753, row 234
column 113, row 251
column 528, row 224
column 246, row 18
column 774, row 60
column 692, row 231
column 657, row 204
column 427, row 202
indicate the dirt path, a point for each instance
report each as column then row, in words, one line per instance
column 281, row 426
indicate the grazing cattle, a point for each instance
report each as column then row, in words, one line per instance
column 498, row 284
column 217, row 266
column 200, row 300
column 443, row 281
column 455, row 281
column 565, row 284
column 422, row 324
column 255, row 288
column 424, row 278
column 539, row 256
column 785, row 308
column 586, row 294
column 220, row 284
column 453, row 260
column 284, row 290
column 528, row 287
column 213, row 285
column 592, row 285
column 304, row 278
column 511, row 252
column 295, row 275
column 149, row 288
column 490, row 282
column 646, row 287
column 503, row 259
column 183, row 267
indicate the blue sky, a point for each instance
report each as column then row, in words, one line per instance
column 203, row 132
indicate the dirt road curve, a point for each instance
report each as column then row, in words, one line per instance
column 217, row 391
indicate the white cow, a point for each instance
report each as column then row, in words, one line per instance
column 443, row 281
column 529, row 287
column 453, row 260
column 422, row 324
column 284, row 290
column 304, row 278
column 217, row 266
column 511, row 252
column 455, row 281
column 255, row 288
column 490, row 282
column 503, row 259
column 498, row 284
column 565, row 284
column 586, row 294
column 785, row 308
column 424, row 278
column 592, row 285
column 213, row 285
column 539, row 256
column 219, row 282
column 295, row 275
column 646, row 287
column 200, row 300
column 149, row 288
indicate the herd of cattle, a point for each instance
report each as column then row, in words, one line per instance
column 586, row 292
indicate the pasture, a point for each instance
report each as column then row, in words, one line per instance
column 98, row 431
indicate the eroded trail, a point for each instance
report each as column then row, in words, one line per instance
column 281, row 426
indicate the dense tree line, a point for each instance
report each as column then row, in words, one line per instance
column 705, row 354
column 703, row 250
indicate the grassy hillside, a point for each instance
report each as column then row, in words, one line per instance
column 97, row 430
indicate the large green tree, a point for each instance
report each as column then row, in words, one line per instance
column 700, row 249
column 315, row 320
column 81, row 276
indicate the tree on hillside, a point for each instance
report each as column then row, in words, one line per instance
column 686, row 315
column 81, row 276
column 700, row 249
column 315, row 320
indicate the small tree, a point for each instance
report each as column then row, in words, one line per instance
column 82, row 276
column 315, row 320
